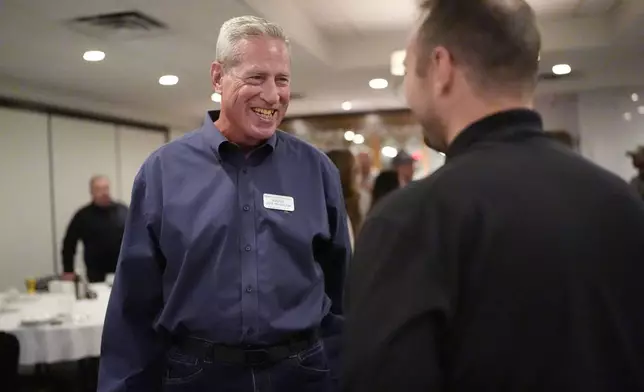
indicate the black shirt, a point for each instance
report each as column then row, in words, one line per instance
column 101, row 230
column 518, row 266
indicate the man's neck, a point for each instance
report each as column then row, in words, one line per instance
column 227, row 129
column 479, row 110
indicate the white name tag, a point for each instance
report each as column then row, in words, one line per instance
column 278, row 202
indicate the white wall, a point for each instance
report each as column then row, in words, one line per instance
column 610, row 125
column 135, row 145
column 26, row 247
column 559, row 113
column 47, row 162
column 598, row 119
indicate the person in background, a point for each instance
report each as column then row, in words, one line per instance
column 232, row 269
column 365, row 181
column 637, row 157
column 346, row 164
column 365, row 170
column 516, row 266
column 403, row 163
column 386, row 182
column 99, row 225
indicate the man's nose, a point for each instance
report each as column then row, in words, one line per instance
column 270, row 93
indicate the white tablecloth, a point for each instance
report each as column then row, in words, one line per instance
column 76, row 338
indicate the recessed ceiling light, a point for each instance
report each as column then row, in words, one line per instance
column 398, row 63
column 640, row 109
column 346, row 105
column 635, row 97
column 168, row 80
column 216, row 97
column 358, row 139
column 378, row 84
column 389, row 152
column 349, row 135
column 93, row 55
column 628, row 116
column 561, row 69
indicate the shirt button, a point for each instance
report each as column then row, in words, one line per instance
column 247, row 248
column 246, row 208
column 249, row 289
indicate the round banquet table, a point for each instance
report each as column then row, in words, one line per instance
column 77, row 337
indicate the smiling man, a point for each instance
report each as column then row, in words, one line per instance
column 234, row 253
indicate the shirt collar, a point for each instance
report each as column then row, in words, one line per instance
column 216, row 139
column 506, row 125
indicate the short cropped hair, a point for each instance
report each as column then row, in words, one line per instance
column 243, row 27
column 497, row 41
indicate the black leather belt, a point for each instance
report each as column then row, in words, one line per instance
column 248, row 355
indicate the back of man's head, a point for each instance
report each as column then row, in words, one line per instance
column 496, row 41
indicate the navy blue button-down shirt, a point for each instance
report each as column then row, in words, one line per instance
column 206, row 254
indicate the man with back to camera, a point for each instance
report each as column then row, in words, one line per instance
column 99, row 225
column 234, row 253
column 517, row 266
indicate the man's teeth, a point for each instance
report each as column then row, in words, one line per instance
column 265, row 112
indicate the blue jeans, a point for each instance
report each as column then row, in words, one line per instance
column 307, row 371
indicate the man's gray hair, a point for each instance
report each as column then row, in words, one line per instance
column 95, row 178
column 243, row 27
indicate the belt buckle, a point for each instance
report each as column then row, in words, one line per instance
column 256, row 357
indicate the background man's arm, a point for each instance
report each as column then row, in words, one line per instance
column 70, row 242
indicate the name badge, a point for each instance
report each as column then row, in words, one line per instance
column 278, row 202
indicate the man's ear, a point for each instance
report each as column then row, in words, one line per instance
column 216, row 73
column 443, row 66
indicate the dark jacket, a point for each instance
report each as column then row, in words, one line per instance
column 515, row 267
column 101, row 231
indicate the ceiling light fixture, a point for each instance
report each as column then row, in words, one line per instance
column 397, row 64
column 640, row 110
column 346, row 105
column 389, row 152
column 628, row 116
column 358, row 139
column 635, row 97
column 93, row 55
column 561, row 69
column 378, row 84
column 349, row 135
column 216, row 97
column 168, row 80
